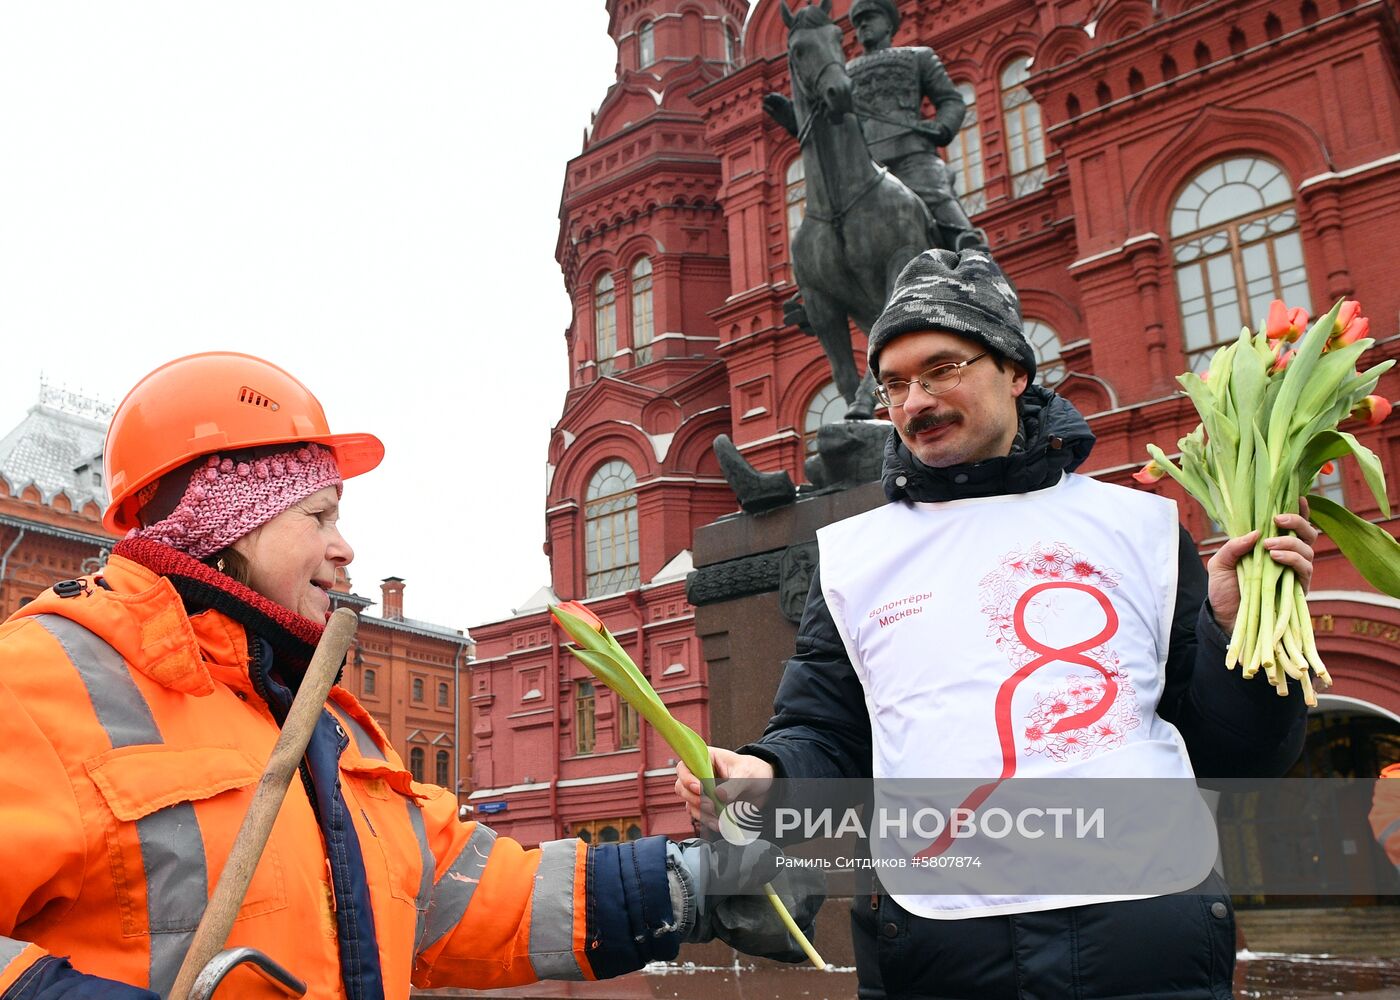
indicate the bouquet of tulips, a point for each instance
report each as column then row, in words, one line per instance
column 605, row 658
column 1270, row 405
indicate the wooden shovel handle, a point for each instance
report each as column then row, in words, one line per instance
column 287, row 753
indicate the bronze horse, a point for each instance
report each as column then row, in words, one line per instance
column 862, row 225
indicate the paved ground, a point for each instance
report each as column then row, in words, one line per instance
column 1257, row 977
column 1305, row 977
column 1286, row 954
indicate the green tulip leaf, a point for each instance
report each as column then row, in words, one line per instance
column 608, row 662
column 1371, row 468
column 1370, row 548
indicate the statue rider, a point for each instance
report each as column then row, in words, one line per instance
column 891, row 83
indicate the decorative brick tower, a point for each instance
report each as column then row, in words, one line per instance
column 630, row 468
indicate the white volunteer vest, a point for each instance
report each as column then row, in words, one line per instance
column 941, row 605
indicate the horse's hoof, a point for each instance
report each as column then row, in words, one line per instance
column 795, row 314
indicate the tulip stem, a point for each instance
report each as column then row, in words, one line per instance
column 793, row 929
column 606, row 660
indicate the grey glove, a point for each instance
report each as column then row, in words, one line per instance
column 940, row 135
column 717, row 892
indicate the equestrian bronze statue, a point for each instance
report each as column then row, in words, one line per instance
column 862, row 222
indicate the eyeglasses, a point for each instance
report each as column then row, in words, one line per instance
column 935, row 380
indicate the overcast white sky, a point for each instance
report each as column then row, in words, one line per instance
column 366, row 194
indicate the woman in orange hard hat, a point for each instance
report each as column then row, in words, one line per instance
column 139, row 707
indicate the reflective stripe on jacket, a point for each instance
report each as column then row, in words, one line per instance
column 131, row 742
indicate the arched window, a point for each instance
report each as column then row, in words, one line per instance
column 415, row 763
column 442, row 769
column 444, row 699
column 1236, row 246
column 368, row 686
column 605, row 324
column 585, row 718
column 417, row 689
column 610, row 515
column 1046, row 344
column 965, row 157
column 731, row 46
column 646, row 45
column 795, row 196
column 828, row 406
column 1025, row 139
column 642, row 321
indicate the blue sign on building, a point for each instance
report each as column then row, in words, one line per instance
column 492, row 807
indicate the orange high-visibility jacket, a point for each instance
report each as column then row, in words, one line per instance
column 1385, row 812
column 131, row 742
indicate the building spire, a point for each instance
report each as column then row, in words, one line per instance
column 656, row 36
column 77, row 404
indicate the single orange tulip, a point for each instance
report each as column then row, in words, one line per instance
column 1285, row 324
column 1149, row 473
column 579, row 611
column 1372, row 409
column 1349, row 326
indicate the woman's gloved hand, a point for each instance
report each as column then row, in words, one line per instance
column 717, row 892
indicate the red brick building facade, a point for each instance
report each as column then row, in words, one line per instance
column 412, row 677
column 1150, row 174
column 642, row 243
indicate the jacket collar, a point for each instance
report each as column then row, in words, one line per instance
column 144, row 619
column 1053, row 439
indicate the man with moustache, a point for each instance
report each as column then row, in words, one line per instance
column 985, row 507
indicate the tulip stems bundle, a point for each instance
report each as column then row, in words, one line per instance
column 1269, row 419
column 605, row 658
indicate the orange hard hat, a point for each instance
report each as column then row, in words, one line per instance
column 206, row 403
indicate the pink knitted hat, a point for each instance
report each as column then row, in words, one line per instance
column 226, row 499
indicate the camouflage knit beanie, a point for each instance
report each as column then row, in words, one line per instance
column 962, row 293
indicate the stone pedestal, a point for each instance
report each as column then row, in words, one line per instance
column 752, row 572
column 750, row 582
